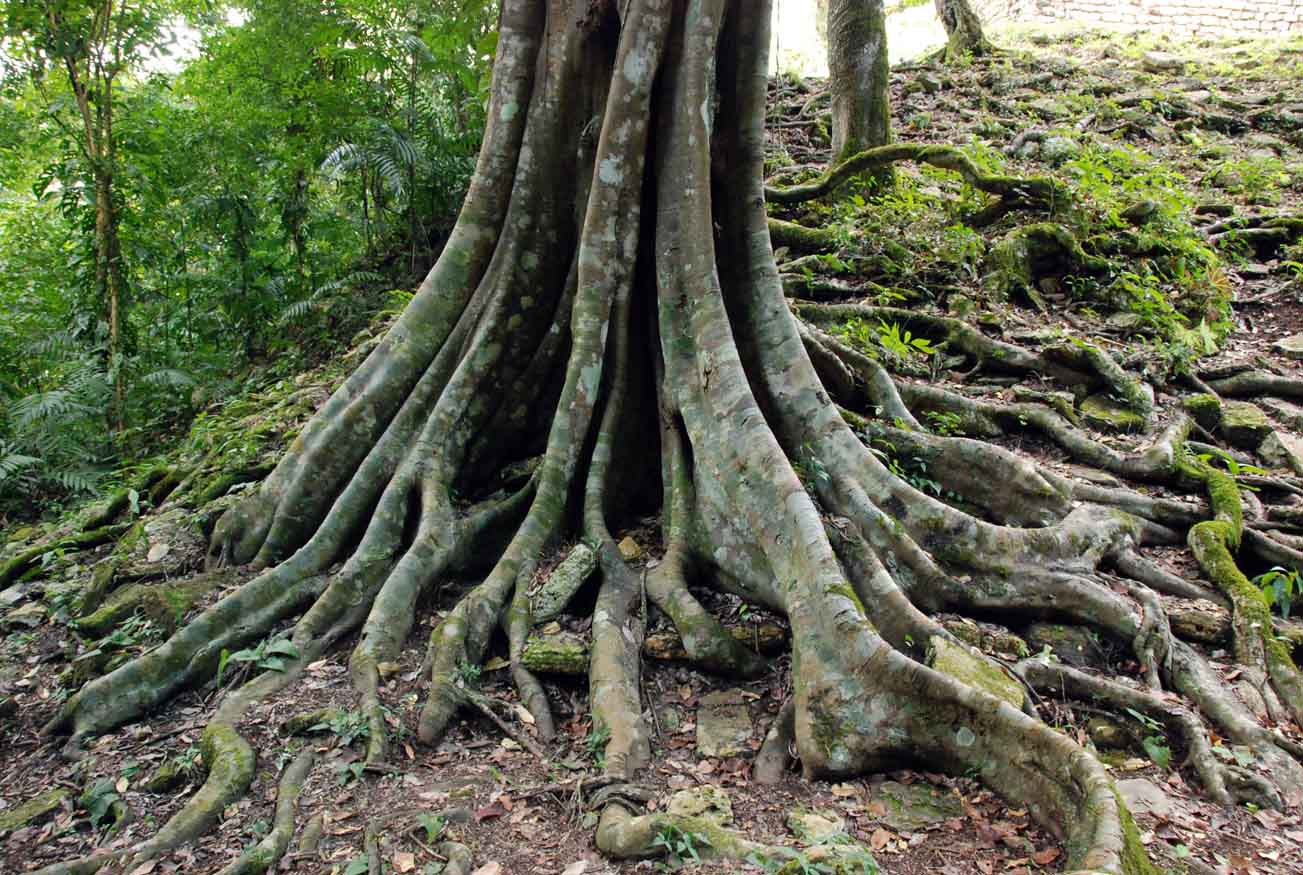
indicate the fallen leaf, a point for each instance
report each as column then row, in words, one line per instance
column 404, row 861
column 1045, row 857
column 843, row 790
column 491, row 868
column 493, row 809
column 157, row 552
column 578, row 867
column 145, row 868
column 122, row 785
column 522, row 714
column 880, row 838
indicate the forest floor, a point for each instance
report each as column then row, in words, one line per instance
column 1188, row 129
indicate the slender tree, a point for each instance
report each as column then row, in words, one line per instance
column 92, row 43
column 858, row 76
column 607, row 321
column 964, row 35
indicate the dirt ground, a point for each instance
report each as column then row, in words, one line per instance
column 520, row 814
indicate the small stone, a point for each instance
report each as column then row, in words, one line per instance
column 707, row 801
column 1049, row 109
column 1141, row 212
column 29, row 616
column 1283, row 450
column 815, row 827
column 723, row 724
column 1206, row 409
column 1285, row 412
column 963, row 665
column 1058, row 149
column 629, row 549
column 912, row 807
column 1102, row 412
column 170, row 775
column 930, row 82
column 1220, row 210
column 1073, row 645
column 1244, row 424
column 1161, row 62
column 1290, row 347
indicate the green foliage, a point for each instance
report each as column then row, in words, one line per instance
column 241, row 239
column 1280, row 585
column 99, row 800
column 1155, row 742
column 944, row 422
column 347, row 726
column 269, row 655
column 595, row 742
column 679, row 845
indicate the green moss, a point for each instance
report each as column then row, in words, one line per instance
column 1206, row 409
column 1135, row 860
column 954, row 660
column 1102, row 412
column 37, row 806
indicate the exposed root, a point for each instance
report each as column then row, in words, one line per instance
column 267, row 853
column 1033, row 193
column 1225, row 784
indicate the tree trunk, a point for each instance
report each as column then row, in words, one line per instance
column 858, row 76
column 608, row 307
column 964, row 36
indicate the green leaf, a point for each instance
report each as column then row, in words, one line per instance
column 1159, row 752
column 357, row 866
column 283, row 647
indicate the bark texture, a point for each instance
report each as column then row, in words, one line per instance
column 858, row 76
column 608, row 319
column 964, row 37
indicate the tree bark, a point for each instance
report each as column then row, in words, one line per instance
column 964, row 37
column 858, row 76
column 608, row 309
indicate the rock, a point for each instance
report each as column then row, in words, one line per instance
column 929, row 82
column 170, row 775
column 1161, row 62
column 1142, row 212
column 1290, row 347
column 28, row 616
column 707, row 801
column 816, row 827
column 1049, row 109
column 1058, row 149
column 37, row 806
column 629, row 549
column 564, row 581
column 723, row 724
column 1143, row 796
column 1220, row 210
column 1073, row 645
column 1102, row 412
column 1244, row 424
column 667, row 717
column 1108, row 734
column 1205, row 409
column 961, row 664
column 1285, row 412
column 912, row 807
column 1283, row 450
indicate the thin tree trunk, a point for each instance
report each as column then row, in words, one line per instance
column 858, row 75
column 964, row 35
